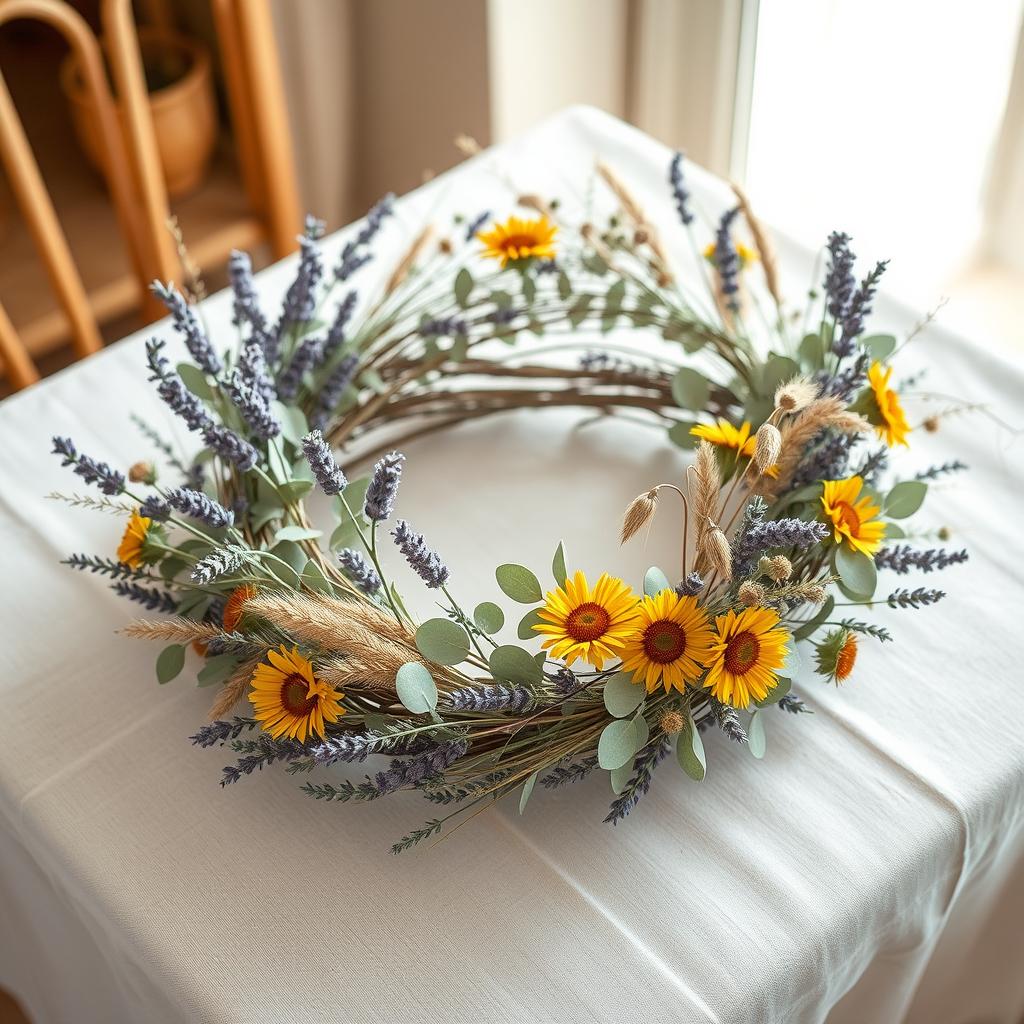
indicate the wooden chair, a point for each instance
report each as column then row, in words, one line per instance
column 133, row 174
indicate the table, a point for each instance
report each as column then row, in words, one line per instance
column 871, row 868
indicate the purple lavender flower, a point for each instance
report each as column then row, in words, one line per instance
column 756, row 537
column 918, row 598
column 212, row 733
column 839, row 280
column 424, row 562
column 476, row 224
column 197, row 505
column 155, row 508
column 643, row 769
column 172, row 390
column 300, row 299
column 149, row 597
column 679, row 190
column 691, row 586
column 352, row 255
column 336, row 333
column 230, row 447
column 421, row 767
column 383, row 487
column 727, row 260
column 827, row 461
column 187, row 325
column 346, row 748
column 903, row 559
column 858, row 311
column 515, row 699
column 252, row 365
column 306, row 357
column 327, row 472
column 449, row 326
column 947, row 468
column 873, row 465
column 253, row 406
column 334, row 387
column 108, row 480
column 246, row 308
column 565, row 681
column 359, row 571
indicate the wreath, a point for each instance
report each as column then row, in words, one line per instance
column 787, row 512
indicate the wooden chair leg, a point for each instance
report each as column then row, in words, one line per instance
column 273, row 135
column 20, row 369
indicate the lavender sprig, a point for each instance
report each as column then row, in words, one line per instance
column 352, row 255
column 414, row 770
column 828, row 461
column 230, row 447
column 261, row 751
column 187, row 325
column 879, row 633
column 108, row 480
column 515, row 699
column 253, row 407
column 637, row 787
column 680, row 192
column 252, row 365
column 300, row 299
column 220, row 563
column 476, row 224
column 945, row 469
column 149, row 597
column 246, row 307
column 873, row 465
column 359, row 571
column 919, row 598
column 307, row 356
column 220, row 731
column 777, row 533
column 424, row 562
column 108, row 567
column 691, row 586
column 565, row 774
column 334, row 387
column 336, row 332
column 383, row 487
column 839, row 280
column 171, row 388
column 903, row 559
column 727, row 260
column 327, row 472
column 793, row 704
column 858, row 311
column 197, row 505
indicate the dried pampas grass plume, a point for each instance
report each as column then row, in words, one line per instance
column 177, row 630
column 708, row 483
column 409, row 259
column 640, row 512
column 233, row 690
column 795, row 394
column 765, row 249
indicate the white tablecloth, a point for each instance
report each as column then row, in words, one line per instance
column 870, row 869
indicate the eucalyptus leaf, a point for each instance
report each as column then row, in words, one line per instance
column 525, row 630
column 217, row 669
column 558, row 569
column 488, row 617
column 416, row 688
column 881, row 346
column 296, row 533
column 169, row 663
column 195, row 380
column 791, row 666
column 819, row 617
column 262, row 512
column 443, row 641
column 313, row 578
column 679, row 434
column 776, row 693
column 905, row 499
column 690, row 750
column 293, row 421
column 463, row 287
column 620, row 777
column 655, row 581
column 777, row 370
column 514, row 665
column 856, row 571
column 756, row 739
column 810, row 351
column 524, row 797
column 617, row 744
column 518, row 583
column 893, row 531
column 613, row 300
column 641, row 728
column 690, row 389
column 622, row 696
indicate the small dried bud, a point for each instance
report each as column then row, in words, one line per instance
column 931, row 424
column 665, row 279
column 532, row 202
column 467, row 145
column 764, row 566
column 142, row 473
column 640, row 512
column 718, row 552
column 750, row 593
column 945, row 533
column 587, row 231
column 795, row 394
column 640, row 236
column 780, row 568
column 671, row 722
column 445, row 246
column 768, row 446
column 815, row 593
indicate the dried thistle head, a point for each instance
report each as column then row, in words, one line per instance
column 780, row 568
column 795, row 394
column 750, row 593
column 768, row 446
column 142, row 473
column 764, row 565
column 640, row 512
column 671, row 722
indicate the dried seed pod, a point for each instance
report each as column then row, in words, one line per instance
column 640, row 512
column 768, row 446
column 750, row 593
column 780, row 568
column 671, row 722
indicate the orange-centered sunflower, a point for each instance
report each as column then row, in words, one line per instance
column 519, row 239
column 738, row 439
column 894, row 426
column 746, row 652
column 289, row 700
column 672, row 643
column 589, row 624
column 854, row 517
column 130, row 550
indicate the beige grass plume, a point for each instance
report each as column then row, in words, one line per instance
column 768, row 445
column 763, row 244
column 640, row 512
column 407, row 262
column 233, row 690
column 795, row 394
column 176, row 629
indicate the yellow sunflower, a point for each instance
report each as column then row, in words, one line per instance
column 747, row 650
column 672, row 642
column 289, row 700
column 130, row 550
column 589, row 624
column 894, row 426
column 519, row 239
column 739, row 439
column 853, row 515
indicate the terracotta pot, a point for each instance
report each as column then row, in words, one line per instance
column 183, row 111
